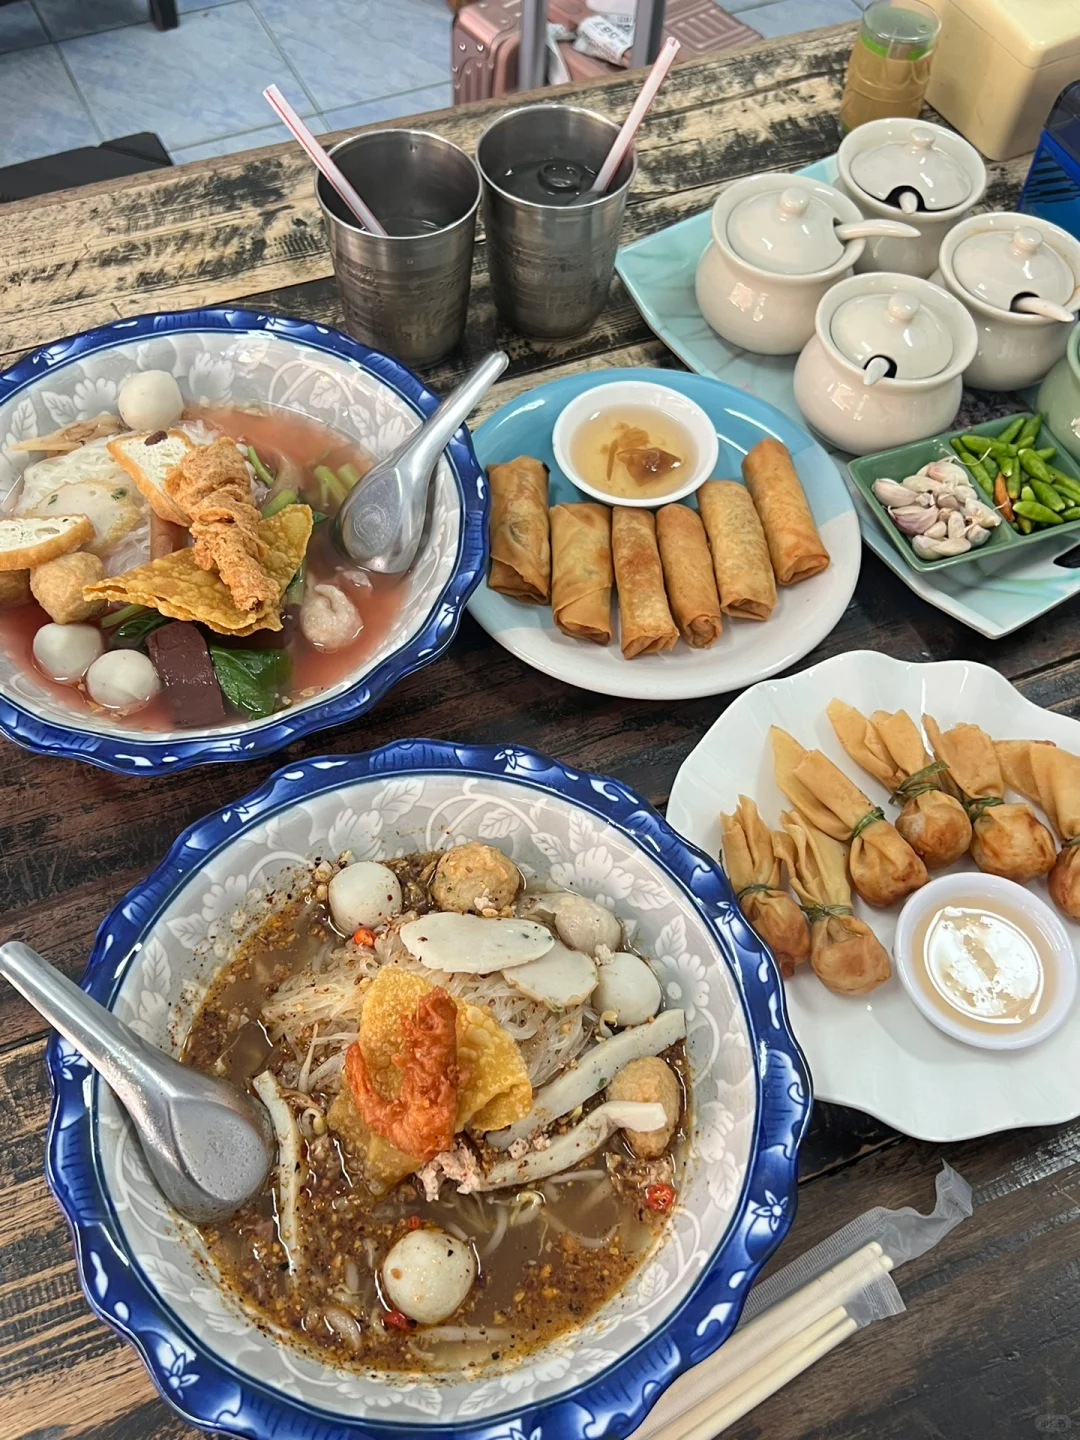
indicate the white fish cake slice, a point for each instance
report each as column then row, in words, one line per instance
column 113, row 509
column 559, row 979
column 90, row 462
column 473, row 945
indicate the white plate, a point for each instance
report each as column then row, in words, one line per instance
column 877, row 1052
column 747, row 650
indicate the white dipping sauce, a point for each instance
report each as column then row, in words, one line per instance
column 985, row 964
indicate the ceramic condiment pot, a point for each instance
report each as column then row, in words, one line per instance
column 885, row 362
column 990, row 261
column 773, row 254
column 909, row 170
column 1059, row 397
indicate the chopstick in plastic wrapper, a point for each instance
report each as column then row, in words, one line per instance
column 803, row 1311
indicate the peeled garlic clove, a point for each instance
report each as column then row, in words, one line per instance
column 965, row 494
column 925, row 498
column 892, row 494
column 946, row 500
column 975, row 511
column 937, row 531
column 956, row 525
column 977, row 535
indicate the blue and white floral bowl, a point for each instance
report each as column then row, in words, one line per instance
column 239, row 357
column 143, row 1270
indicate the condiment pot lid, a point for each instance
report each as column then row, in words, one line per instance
column 918, row 164
column 788, row 231
column 897, row 326
column 999, row 265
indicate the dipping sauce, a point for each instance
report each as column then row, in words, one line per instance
column 984, row 963
column 633, row 450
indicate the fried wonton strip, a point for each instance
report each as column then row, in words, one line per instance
column 211, row 485
column 175, row 586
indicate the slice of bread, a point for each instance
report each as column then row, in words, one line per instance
column 28, row 541
column 148, row 457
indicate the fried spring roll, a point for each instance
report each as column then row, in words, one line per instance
column 647, row 626
column 740, row 555
column 582, row 573
column 795, row 546
column 688, row 574
column 520, row 544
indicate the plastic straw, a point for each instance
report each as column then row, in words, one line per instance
column 321, row 159
column 655, row 78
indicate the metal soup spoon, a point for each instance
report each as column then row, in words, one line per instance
column 208, row 1143
column 381, row 519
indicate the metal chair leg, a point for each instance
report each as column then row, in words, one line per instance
column 532, row 52
column 163, row 14
column 648, row 31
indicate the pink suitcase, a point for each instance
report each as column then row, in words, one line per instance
column 486, row 40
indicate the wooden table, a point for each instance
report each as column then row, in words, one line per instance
column 987, row 1346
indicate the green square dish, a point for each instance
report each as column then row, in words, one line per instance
column 904, row 460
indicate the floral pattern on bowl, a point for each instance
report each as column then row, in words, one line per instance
column 238, row 357
column 142, row 1269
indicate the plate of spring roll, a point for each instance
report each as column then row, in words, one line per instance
column 835, row 794
column 699, row 597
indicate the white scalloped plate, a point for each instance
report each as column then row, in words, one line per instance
column 877, row 1052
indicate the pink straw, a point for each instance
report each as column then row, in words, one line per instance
column 322, row 160
column 655, row 78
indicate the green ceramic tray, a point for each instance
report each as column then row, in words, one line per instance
column 905, row 460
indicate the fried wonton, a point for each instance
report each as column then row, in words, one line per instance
column 496, row 1091
column 175, row 585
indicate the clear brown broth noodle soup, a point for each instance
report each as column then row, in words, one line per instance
column 291, row 446
column 547, row 1253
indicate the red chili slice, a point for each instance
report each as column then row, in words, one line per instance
column 398, row 1320
column 659, row 1197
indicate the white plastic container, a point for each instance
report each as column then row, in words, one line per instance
column 1000, row 65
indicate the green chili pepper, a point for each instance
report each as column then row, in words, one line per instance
column 1012, row 430
column 1047, row 453
column 1031, row 427
column 1072, row 513
column 278, row 502
column 1012, row 486
column 1035, row 467
column 257, row 465
column 975, row 467
column 977, row 444
column 1008, row 466
column 1026, row 493
column 990, row 465
column 1033, row 511
column 1047, row 495
column 1024, row 525
column 1065, row 483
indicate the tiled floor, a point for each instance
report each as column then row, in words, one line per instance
column 76, row 72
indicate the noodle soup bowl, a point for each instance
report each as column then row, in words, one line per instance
column 236, row 359
column 145, row 1271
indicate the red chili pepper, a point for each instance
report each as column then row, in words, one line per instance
column 659, row 1197
column 413, row 1222
column 363, row 936
column 398, row 1320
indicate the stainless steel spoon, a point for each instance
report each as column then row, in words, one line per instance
column 382, row 519
column 208, row 1143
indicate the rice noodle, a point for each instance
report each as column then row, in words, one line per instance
column 352, row 1276
column 573, row 1175
column 303, row 1079
column 502, row 1219
column 345, row 1325
column 463, row 1334
column 588, row 1242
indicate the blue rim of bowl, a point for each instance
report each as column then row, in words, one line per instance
column 133, row 755
column 211, row 1393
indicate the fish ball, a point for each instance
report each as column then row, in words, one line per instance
column 649, row 1080
column 150, row 400
column 474, row 873
column 628, row 988
column 583, row 924
column 428, row 1274
column 122, row 680
column 366, row 893
column 66, row 652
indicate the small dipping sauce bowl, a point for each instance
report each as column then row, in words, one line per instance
column 633, row 401
column 1034, row 986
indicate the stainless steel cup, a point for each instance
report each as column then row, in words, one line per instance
column 407, row 293
column 550, row 265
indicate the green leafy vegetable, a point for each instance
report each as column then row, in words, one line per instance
column 278, row 502
column 117, row 617
column 348, row 475
column 331, row 491
column 257, row 465
column 133, row 631
column 253, row 681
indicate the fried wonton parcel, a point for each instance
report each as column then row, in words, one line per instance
column 753, row 868
column 493, row 1087
column 175, row 586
